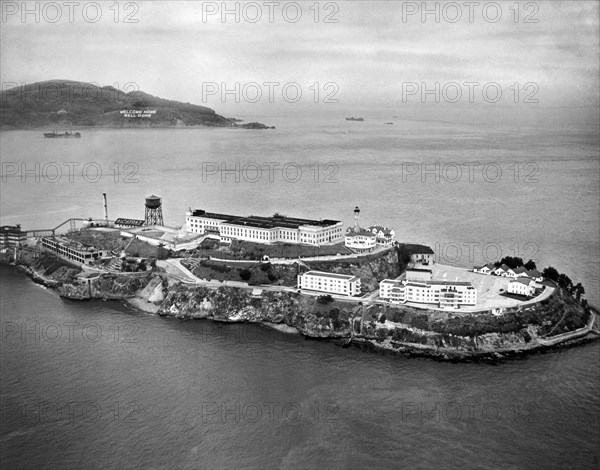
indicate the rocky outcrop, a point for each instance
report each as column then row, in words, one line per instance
column 105, row 286
column 230, row 304
column 406, row 330
column 371, row 268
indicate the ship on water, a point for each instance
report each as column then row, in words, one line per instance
column 66, row 135
column 352, row 118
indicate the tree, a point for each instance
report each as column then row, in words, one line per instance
column 324, row 299
column 511, row 262
column 579, row 291
column 550, row 273
column 564, row 281
column 265, row 267
column 381, row 334
column 530, row 265
column 382, row 319
column 245, row 274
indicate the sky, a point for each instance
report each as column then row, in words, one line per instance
column 361, row 56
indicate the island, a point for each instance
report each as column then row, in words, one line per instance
column 358, row 287
column 75, row 104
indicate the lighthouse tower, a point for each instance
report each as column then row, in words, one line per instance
column 356, row 213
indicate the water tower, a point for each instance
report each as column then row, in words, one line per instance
column 154, row 211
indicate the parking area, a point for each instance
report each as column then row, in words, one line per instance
column 488, row 287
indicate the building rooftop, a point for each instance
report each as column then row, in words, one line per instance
column 438, row 283
column 490, row 266
column 72, row 244
column 265, row 222
column 523, row 280
column 416, row 249
column 10, row 228
column 394, row 282
column 129, row 222
column 359, row 233
column 379, row 228
column 331, row 275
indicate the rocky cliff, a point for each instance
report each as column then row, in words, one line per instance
column 442, row 335
column 370, row 268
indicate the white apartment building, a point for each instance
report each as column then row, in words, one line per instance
column 522, row 286
column 341, row 284
column 444, row 294
column 392, row 290
column 266, row 230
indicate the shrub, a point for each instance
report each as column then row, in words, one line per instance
column 265, row 267
column 245, row 274
column 381, row 334
column 324, row 299
column 382, row 319
column 396, row 316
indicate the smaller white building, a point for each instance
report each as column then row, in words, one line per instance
column 420, row 254
column 520, row 271
column 331, row 283
column 503, row 271
column 383, row 236
column 532, row 274
column 485, row 269
column 522, row 286
column 360, row 240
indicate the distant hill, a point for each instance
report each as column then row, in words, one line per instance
column 60, row 103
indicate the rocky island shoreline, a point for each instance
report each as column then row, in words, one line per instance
column 557, row 322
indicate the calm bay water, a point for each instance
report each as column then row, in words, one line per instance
column 102, row 386
column 498, row 192
column 99, row 385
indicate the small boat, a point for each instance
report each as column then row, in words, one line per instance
column 65, row 135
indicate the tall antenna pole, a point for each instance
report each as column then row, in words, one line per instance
column 105, row 208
